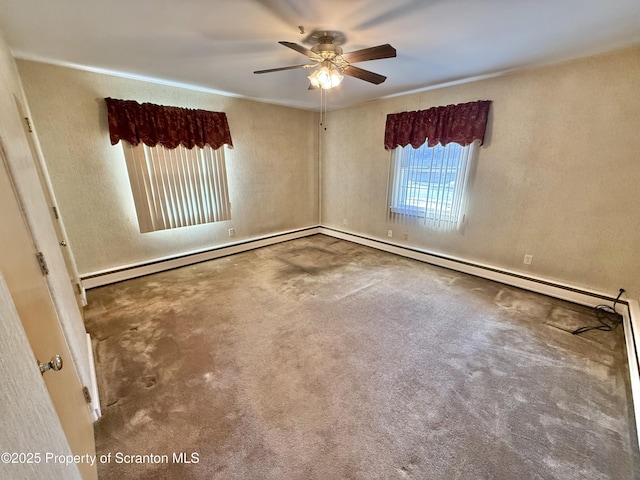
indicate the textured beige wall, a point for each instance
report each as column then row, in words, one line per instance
column 272, row 170
column 558, row 176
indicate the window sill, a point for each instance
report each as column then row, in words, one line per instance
column 421, row 215
column 407, row 211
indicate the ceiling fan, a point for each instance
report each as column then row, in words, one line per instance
column 331, row 63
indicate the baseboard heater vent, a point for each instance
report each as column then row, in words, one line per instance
column 127, row 272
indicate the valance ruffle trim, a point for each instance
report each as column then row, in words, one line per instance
column 169, row 126
column 462, row 123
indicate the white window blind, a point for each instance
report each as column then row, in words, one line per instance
column 177, row 187
column 429, row 184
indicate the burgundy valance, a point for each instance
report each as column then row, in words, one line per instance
column 169, row 126
column 462, row 123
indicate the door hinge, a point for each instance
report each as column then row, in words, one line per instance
column 79, row 287
column 87, row 395
column 43, row 263
column 28, row 124
column 55, row 213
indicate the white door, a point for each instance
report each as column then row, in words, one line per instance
column 28, row 289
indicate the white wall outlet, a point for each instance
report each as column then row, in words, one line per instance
column 389, row 233
column 528, row 259
column 344, row 221
column 232, row 232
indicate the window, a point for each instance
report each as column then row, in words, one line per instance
column 177, row 187
column 175, row 159
column 429, row 183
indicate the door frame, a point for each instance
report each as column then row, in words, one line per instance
column 52, row 204
column 30, row 192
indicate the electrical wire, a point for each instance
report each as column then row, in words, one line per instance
column 607, row 316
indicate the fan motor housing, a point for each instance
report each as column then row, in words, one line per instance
column 327, row 50
column 325, row 37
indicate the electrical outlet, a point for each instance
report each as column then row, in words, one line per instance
column 405, row 236
column 389, row 233
column 528, row 259
column 232, row 232
column 344, row 221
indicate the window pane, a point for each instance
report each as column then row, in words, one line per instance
column 428, row 182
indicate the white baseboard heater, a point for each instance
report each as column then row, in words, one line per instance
column 127, row 272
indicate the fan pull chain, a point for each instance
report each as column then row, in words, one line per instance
column 323, row 108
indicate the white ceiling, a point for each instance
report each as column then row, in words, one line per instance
column 217, row 44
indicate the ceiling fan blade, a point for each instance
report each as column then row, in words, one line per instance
column 365, row 75
column 372, row 53
column 300, row 49
column 279, row 69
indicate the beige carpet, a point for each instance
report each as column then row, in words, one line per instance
column 321, row 359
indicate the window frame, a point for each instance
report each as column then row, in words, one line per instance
column 177, row 187
column 405, row 195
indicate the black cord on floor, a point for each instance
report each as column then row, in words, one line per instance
column 607, row 316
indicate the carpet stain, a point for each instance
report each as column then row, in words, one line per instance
column 310, row 259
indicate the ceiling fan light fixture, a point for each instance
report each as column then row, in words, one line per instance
column 330, row 63
column 326, row 76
